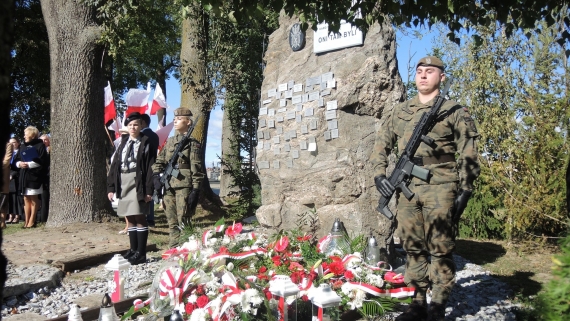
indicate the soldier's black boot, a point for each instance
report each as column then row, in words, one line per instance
column 417, row 311
column 133, row 241
column 436, row 312
column 140, row 256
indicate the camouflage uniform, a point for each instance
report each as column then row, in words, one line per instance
column 175, row 198
column 425, row 223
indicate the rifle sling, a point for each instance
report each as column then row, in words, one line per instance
column 431, row 160
column 183, row 166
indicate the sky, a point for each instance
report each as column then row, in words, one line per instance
column 409, row 50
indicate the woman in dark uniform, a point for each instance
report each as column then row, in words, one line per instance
column 130, row 179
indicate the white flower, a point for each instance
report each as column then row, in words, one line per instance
column 199, row 315
column 347, row 289
column 192, row 298
column 246, row 248
column 230, row 266
column 375, row 280
column 226, row 240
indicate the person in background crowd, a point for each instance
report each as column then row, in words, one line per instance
column 130, row 180
column 153, row 140
column 15, row 201
column 44, row 211
column 5, row 185
column 116, row 144
column 32, row 160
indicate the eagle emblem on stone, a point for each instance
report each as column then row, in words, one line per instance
column 296, row 37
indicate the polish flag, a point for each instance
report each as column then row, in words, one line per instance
column 159, row 126
column 116, row 126
column 163, row 133
column 110, row 111
column 137, row 100
column 159, row 101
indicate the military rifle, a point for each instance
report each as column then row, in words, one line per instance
column 405, row 167
column 171, row 169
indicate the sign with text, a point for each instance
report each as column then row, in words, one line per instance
column 347, row 36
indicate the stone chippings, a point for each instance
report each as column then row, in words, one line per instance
column 476, row 297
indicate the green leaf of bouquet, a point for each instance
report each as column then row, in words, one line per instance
column 220, row 222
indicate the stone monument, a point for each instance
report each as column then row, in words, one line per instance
column 318, row 117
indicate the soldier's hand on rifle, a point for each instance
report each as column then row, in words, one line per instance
column 192, row 200
column 384, row 186
column 460, row 204
column 157, row 184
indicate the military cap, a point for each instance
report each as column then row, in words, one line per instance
column 431, row 61
column 182, row 111
column 132, row 116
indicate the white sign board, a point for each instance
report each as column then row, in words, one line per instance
column 347, row 36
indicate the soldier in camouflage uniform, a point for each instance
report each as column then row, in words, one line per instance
column 181, row 198
column 427, row 222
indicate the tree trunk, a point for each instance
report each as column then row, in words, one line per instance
column 161, row 80
column 6, row 39
column 197, row 92
column 225, row 178
column 78, row 182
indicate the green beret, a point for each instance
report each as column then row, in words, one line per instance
column 431, row 61
column 182, row 112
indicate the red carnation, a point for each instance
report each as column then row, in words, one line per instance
column 337, row 268
column 188, row 308
column 349, row 275
column 268, row 294
column 337, row 284
column 262, row 269
column 276, row 260
column 336, row 258
column 202, row 301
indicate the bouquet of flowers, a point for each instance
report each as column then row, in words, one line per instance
column 226, row 275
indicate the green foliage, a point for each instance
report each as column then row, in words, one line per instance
column 516, row 90
column 553, row 302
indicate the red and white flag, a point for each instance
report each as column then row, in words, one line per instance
column 137, row 100
column 158, row 102
column 116, row 126
column 159, row 126
column 110, row 112
column 163, row 134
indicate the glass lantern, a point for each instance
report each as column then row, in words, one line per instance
column 325, row 304
column 282, row 289
column 107, row 311
column 338, row 244
column 372, row 256
column 117, row 286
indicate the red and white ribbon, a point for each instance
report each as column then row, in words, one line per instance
column 241, row 255
column 370, row 289
column 323, row 242
column 174, row 282
column 208, row 233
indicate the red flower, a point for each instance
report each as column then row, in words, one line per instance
column 234, row 229
column 200, row 290
column 294, row 266
column 393, row 277
column 268, row 294
column 202, row 301
column 337, row 268
column 337, row 284
column 282, row 244
column 305, row 298
column 262, row 269
column 188, row 308
column 304, row 238
column 348, row 275
column 276, row 260
column 224, row 250
column 297, row 277
column 336, row 259
column 325, row 266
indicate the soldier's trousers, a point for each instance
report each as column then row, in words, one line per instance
column 177, row 213
column 426, row 229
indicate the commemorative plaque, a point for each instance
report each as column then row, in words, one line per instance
column 290, row 115
column 332, row 105
column 312, row 140
column 275, row 150
column 313, row 96
column 297, row 99
column 304, row 129
column 266, row 135
column 334, row 133
column 271, row 112
column 299, row 107
column 288, row 93
column 303, row 144
column 293, row 134
column 327, row 135
column 309, row 112
column 331, row 83
column 296, row 37
column 289, row 162
column 282, row 102
column 267, row 146
column 305, row 98
column 295, row 153
column 282, row 110
column 330, row 114
column 271, row 92
column 286, row 137
column 279, row 119
column 276, row 164
column 260, row 134
column 313, row 124
column 282, row 87
column 332, row 124
column 290, row 85
column 286, row 147
column 262, row 123
column 275, row 139
column 297, row 88
column 298, row 118
column 267, row 101
column 325, row 92
column 279, row 130
column 263, row 164
column 327, row 76
column 321, row 102
column 271, row 123
column 263, row 111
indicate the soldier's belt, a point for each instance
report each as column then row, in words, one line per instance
column 431, row 160
column 183, row 166
column 130, row 170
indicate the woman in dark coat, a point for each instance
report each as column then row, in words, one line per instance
column 130, row 180
column 32, row 160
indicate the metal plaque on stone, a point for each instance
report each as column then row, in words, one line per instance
column 288, row 94
column 263, row 111
column 286, row 147
column 290, row 84
column 290, row 115
column 286, row 137
column 332, row 124
column 309, row 112
column 293, row 134
column 289, row 162
column 262, row 123
column 271, row 112
column 303, row 144
column 297, row 88
column 321, row 102
column 304, row 129
column 299, row 107
column 308, row 82
column 327, row 135
column 276, row 164
column 271, row 92
column 282, row 87
column 331, row 83
column 282, row 110
column 279, row 119
column 313, row 124
column 330, row 114
column 312, row 140
column 297, row 99
column 312, row 147
column 332, row 105
column 266, row 134
column 282, row 102
column 260, row 134
column 316, row 80
column 275, row 139
column 259, row 146
column 278, row 95
column 323, row 85
column 279, row 130
column 327, row 76
column 263, row 164
column 298, row 118
column 276, row 150
column 314, row 96
column 266, row 146
column 271, row 123
column 334, row 133
column 267, row 101
column 308, row 88
column 325, row 92
column 295, row 153
column 305, row 98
